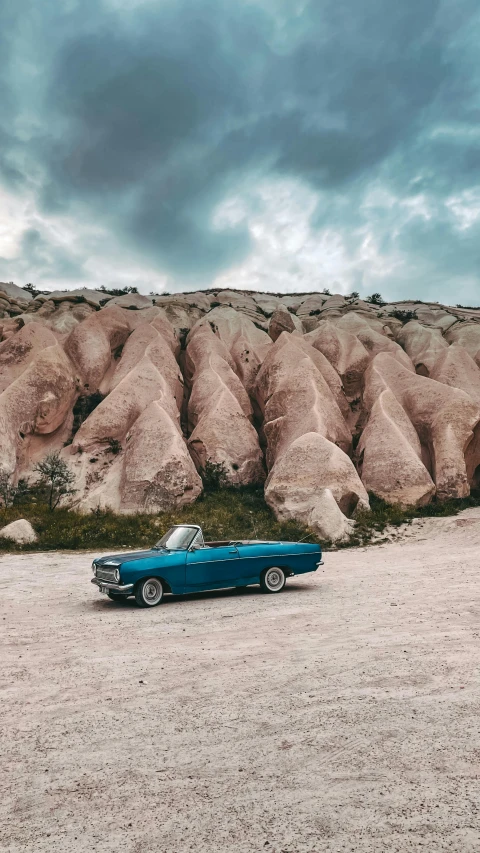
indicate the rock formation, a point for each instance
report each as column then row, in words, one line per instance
column 423, row 344
column 220, row 414
column 328, row 397
column 444, row 420
column 20, row 531
column 311, row 477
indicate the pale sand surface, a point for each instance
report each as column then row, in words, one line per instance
column 341, row 715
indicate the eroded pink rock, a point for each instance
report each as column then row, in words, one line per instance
column 345, row 353
column 158, row 473
column 219, row 411
column 444, row 418
column 455, row 366
column 283, row 320
column 247, row 391
column 91, row 344
column 390, row 455
column 307, row 441
column 468, row 336
column 139, row 423
column 246, row 343
column 373, row 335
column 423, row 344
column 21, row 349
column 37, row 401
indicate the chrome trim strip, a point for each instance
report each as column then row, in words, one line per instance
column 203, row 562
column 241, row 557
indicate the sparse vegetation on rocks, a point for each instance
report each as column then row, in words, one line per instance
column 13, row 494
column 214, row 476
column 114, row 445
column 118, row 291
column 403, row 316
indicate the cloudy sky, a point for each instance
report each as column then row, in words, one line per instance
column 281, row 145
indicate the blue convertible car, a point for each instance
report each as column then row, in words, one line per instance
column 182, row 562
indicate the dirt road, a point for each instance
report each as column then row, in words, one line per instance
column 340, row 715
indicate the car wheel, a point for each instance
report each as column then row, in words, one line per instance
column 116, row 596
column 272, row 580
column 149, row 592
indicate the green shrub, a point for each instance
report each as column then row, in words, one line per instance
column 404, row 316
column 214, row 476
column 375, row 299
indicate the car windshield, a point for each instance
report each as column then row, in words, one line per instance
column 177, row 538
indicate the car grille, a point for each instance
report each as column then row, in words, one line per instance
column 105, row 574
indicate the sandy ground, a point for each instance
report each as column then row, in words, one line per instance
column 341, row 715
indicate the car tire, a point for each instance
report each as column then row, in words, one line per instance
column 272, row 580
column 149, row 592
column 116, row 596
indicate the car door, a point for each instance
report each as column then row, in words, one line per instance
column 210, row 568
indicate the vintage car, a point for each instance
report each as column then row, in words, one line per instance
column 181, row 562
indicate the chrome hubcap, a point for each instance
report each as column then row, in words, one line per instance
column 274, row 579
column 152, row 592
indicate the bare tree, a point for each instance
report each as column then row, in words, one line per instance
column 56, row 478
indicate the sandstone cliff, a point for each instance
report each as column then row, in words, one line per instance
column 321, row 398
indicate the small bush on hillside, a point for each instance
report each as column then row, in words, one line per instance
column 31, row 289
column 114, row 446
column 214, row 476
column 375, row 299
column 404, row 316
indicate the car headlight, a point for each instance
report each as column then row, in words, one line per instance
column 94, row 567
column 116, row 575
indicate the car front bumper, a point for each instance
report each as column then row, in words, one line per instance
column 107, row 586
column 320, row 563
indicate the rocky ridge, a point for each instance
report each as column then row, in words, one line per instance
column 322, row 398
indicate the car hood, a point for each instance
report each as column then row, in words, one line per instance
column 126, row 557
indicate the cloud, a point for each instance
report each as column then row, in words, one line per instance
column 332, row 130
